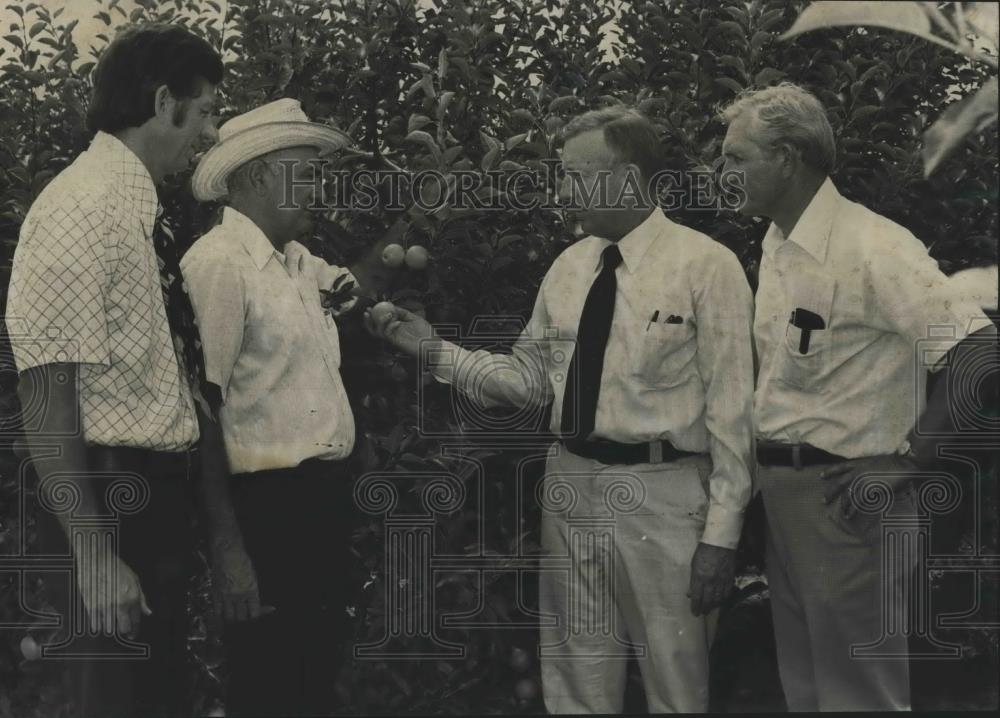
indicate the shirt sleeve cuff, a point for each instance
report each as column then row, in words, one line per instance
column 443, row 362
column 722, row 527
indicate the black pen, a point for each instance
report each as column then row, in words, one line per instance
column 656, row 315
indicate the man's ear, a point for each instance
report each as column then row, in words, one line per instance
column 790, row 159
column 163, row 104
column 258, row 176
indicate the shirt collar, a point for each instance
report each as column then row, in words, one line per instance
column 634, row 245
column 253, row 239
column 812, row 231
column 129, row 170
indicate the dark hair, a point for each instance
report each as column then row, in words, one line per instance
column 627, row 131
column 138, row 61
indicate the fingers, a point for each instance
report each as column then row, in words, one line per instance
column 133, row 614
column 143, row 605
column 245, row 607
column 836, row 470
column 696, row 594
column 253, row 606
column 836, row 484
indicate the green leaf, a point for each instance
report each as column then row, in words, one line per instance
column 514, row 141
column 768, row 76
column 907, row 17
column 490, row 159
column 36, row 28
column 733, row 27
column 759, row 39
column 729, row 84
column 421, row 137
column 864, row 112
column 417, row 122
column 442, row 108
column 490, row 142
column 14, row 40
column 970, row 114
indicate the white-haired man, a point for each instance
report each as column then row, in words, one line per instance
column 640, row 340
column 844, row 297
column 279, row 512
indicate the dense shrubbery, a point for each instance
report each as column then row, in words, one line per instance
column 486, row 85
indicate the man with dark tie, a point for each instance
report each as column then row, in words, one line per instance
column 658, row 388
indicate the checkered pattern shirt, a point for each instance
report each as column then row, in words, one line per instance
column 85, row 289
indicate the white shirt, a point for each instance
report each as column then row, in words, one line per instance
column 85, row 289
column 690, row 382
column 857, row 390
column 270, row 348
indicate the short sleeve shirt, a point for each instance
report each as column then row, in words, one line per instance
column 85, row 289
column 851, row 312
column 270, row 347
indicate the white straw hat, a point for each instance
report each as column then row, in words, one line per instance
column 274, row 126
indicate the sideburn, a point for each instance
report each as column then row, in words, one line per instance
column 181, row 112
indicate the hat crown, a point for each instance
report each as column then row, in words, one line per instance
column 283, row 110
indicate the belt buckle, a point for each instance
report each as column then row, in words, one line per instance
column 797, row 456
column 656, row 452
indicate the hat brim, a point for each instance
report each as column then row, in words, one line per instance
column 209, row 180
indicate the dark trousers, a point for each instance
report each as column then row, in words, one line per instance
column 155, row 539
column 296, row 527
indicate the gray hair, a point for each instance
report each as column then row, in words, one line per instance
column 627, row 131
column 240, row 176
column 790, row 115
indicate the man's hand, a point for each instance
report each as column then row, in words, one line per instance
column 840, row 480
column 713, row 572
column 234, row 583
column 401, row 328
column 111, row 593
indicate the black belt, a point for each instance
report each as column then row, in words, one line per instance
column 797, row 455
column 611, row 452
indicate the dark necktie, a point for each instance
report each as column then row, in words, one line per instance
column 180, row 313
column 583, row 379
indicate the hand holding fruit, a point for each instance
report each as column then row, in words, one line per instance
column 403, row 329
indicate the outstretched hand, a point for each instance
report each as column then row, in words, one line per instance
column 400, row 327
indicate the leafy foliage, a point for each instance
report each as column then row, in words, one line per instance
column 480, row 86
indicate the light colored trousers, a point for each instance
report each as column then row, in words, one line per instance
column 827, row 584
column 624, row 537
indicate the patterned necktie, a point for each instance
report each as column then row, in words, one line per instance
column 180, row 313
column 583, row 380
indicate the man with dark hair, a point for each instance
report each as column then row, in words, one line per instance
column 119, row 422
column 640, row 340
column 847, row 303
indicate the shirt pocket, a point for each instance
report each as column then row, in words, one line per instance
column 663, row 353
column 805, row 354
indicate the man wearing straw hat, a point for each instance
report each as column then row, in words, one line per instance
column 278, row 514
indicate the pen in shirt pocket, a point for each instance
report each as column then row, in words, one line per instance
column 656, row 315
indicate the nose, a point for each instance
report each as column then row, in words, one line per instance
column 210, row 135
column 563, row 193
